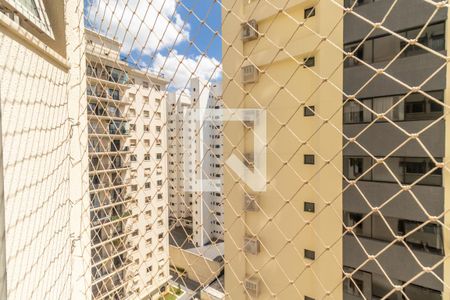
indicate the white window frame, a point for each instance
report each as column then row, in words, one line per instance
column 41, row 23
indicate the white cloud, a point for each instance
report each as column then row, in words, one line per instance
column 179, row 68
column 139, row 24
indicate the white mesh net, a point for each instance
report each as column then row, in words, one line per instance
column 224, row 149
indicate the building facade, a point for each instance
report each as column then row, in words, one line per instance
column 200, row 212
column 127, row 175
column 40, row 94
column 400, row 189
column 284, row 242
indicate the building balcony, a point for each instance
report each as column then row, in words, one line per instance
column 109, row 133
column 106, row 186
column 111, row 169
column 106, row 117
column 105, row 275
column 108, row 149
column 108, row 75
column 111, row 220
column 107, row 100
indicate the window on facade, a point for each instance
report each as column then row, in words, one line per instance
column 309, row 111
column 145, row 84
column 309, row 254
column 309, row 206
column 420, row 292
column 355, row 112
column 387, row 47
column 33, row 11
column 354, row 167
column 309, row 159
column 309, row 62
column 415, row 168
column 353, row 286
column 360, row 227
column 427, row 237
column 358, row 54
column 146, row 114
column 396, row 108
column 147, row 157
column 114, row 94
column 147, row 185
column 309, row 12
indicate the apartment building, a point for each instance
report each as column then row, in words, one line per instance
column 383, row 204
column 129, row 255
column 284, row 242
column 40, row 160
column 195, row 150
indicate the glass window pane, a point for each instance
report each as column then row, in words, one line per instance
column 385, row 48
column 30, row 5
column 383, row 104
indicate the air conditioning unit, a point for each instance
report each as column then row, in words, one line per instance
column 250, row 74
column 249, row 31
column 250, row 203
column 251, row 245
column 252, row 286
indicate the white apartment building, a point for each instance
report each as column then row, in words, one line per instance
column 199, row 212
column 129, row 227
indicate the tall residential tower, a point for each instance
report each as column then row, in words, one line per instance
column 127, row 175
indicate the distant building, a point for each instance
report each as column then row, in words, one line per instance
column 200, row 212
column 127, row 170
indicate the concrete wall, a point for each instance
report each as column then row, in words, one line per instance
column 197, row 267
column 36, row 136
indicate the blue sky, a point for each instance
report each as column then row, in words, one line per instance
column 207, row 10
column 150, row 32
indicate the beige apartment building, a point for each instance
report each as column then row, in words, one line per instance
column 356, row 151
column 284, row 242
column 127, row 175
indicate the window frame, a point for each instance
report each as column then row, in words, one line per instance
column 42, row 22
